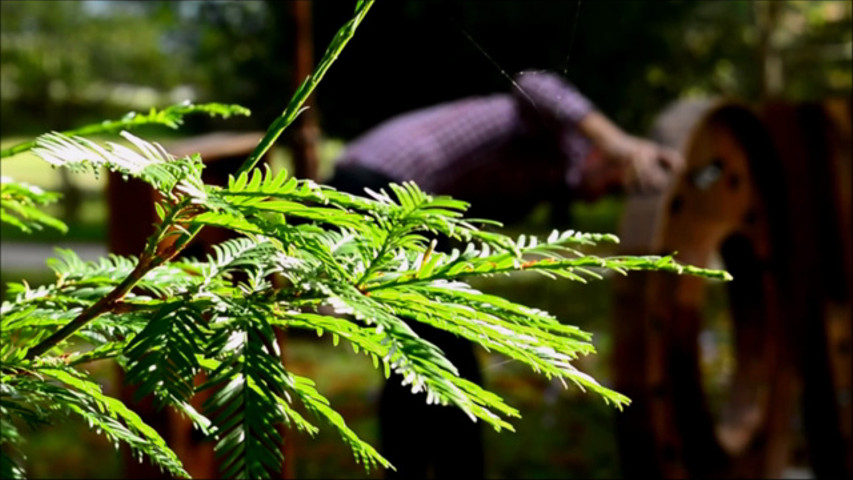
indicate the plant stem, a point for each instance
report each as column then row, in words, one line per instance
column 88, row 130
column 105, row 304
column 294, row 108
column 149, row 260
column 613, row 263
column 169, row 117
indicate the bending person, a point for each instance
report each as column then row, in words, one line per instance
column 503, row 153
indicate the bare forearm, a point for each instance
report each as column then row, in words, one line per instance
column 647, row 165
column 599, row 128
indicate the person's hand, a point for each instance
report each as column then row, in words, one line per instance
column 648, row 167
column 643, row 166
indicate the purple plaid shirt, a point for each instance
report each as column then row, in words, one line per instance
column 516, row 145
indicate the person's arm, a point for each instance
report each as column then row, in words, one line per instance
column 549, row 98
column 545, row 96
column 648, row 166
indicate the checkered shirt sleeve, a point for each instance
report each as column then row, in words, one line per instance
column 433, row 144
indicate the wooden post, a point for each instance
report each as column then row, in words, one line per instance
column 305, row 130
column 303, row 138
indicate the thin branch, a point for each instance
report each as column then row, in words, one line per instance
column 104, row 305
column 150, row 259
column 170, row 117
column 295, row 107
column 109, row 126
column 550, row 264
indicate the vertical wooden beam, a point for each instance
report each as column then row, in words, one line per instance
column 303, row 144
column 305, row 130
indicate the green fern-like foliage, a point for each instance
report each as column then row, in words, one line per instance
column 19, row 206
column 305, row 256
column 357, row 269
column 172, row 117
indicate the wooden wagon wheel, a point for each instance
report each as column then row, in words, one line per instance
column 733, row 204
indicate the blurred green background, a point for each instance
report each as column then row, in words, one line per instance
column 66, row 63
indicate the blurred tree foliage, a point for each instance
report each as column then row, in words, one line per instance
column 60, row 59
column 631, row 58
